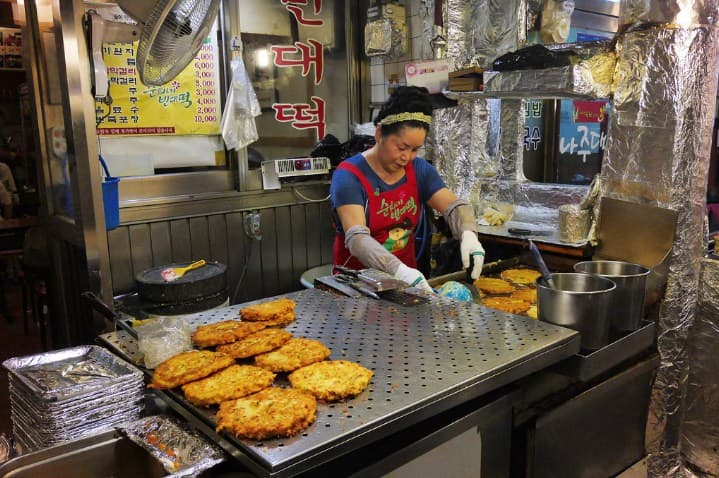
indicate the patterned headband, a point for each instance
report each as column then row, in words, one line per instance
column 398, row 117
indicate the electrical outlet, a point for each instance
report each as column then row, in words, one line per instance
column 252, row 225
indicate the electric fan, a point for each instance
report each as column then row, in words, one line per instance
column 170, row 33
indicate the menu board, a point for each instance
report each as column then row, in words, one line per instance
column 11, row 48
column 189, row 104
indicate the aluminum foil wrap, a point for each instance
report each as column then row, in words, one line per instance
column 182, row 452
column 426, row 15
column 678, row 12
column 535, row 205
column 378, row 37
column 66, row 394
column 700, row 428
column 657, row 153
column 556, row 20
column 591, row 78
column 511, row 140
column 464, row 151
column 481, row 30
column 574, row 223
column 70, row 373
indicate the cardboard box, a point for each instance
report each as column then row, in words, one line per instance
column 466, row 79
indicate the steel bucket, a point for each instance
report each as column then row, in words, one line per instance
column 627, row 308
column 580, row 302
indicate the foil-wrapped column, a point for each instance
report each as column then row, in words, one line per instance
column 511, row 140
column 700, row 426
column 657, row 153
column 479, row 31
column 463, row 145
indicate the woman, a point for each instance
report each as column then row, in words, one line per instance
column 377, row 195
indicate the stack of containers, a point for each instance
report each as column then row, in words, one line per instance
column 66, row 394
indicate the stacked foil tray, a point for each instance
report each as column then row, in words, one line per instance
column 70, row 393
column 426, row 359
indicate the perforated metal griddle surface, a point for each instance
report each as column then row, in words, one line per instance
column 422, row 357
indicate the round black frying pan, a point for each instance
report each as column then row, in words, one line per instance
column 205, row 281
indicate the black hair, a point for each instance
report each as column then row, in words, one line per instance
column 405, row 99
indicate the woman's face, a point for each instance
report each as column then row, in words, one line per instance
column 397, row 149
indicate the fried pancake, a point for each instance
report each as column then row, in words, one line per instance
column 506, row 304
column 296, row 353
column 188, row 367
column 235, row 381
column 278, row 321
column 521, row 276
column 331, row 380
column 527, row 295
column 490, row 285
column 257, row 343
column 272, row 412
column 267, row 310
column 224, row 332
column 532, row 312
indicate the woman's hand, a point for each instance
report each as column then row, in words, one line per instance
column 470, row 247
column 413, row 277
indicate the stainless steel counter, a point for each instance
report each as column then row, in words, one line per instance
column 427, row 359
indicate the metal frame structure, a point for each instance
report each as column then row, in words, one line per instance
column 79, row 245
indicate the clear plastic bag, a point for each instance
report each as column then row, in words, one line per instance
column 163, row 338
column 238, row 120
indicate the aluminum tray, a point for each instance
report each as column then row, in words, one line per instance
column 427, row 359
column 70, row 373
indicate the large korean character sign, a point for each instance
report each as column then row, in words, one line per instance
column 308, row 57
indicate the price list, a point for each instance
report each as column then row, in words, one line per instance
column 189, row 104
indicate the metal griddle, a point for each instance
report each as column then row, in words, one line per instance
column 426, row 358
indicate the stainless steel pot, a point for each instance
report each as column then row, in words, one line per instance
column 627, row 308
column 580, row 302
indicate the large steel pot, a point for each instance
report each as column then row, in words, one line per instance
column 580, row 302
column 627, row 308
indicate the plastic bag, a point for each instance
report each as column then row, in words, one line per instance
column 532, row 57
column 162, row 338
column 238, row 120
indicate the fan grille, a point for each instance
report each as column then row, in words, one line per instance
column 174, row 32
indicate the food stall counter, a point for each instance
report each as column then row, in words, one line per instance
column 427, row 359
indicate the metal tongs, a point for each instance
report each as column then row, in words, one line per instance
column 379, row 281
column 106, row 311
column 356, row 284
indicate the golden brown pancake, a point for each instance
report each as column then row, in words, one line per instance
column 527, row 295
column 270, row 413
column 491, row 285
column 187, row 367
column 268, row 310
column 258, row 343
column 224, row 332
column 506, row 304
column 296, row 353
column 331, row 380
column 520, row 276
column 235, row 381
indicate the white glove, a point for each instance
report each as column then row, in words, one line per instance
column 471, row 247
column 413, row 277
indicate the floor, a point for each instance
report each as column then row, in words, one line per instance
column 13, row 343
